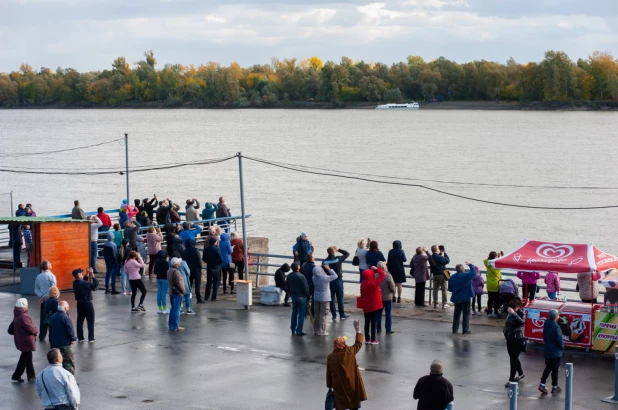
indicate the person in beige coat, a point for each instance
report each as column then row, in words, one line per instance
column 387, row 287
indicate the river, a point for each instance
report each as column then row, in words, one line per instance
column 487, row 147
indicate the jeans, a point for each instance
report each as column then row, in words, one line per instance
column 551, row 295
column 493, row 302
column 85, row 310
column 336, row 291
column 111, row 268
column 553, row 366
column 104, row 228
column 514, row 346
column 319, row 318
column 175, row 301
column 93, row 256
column 212, row 282
column 24, row 363
column 187, row 300
column 439, row 282
column 462, row 307
column 299, row 307
column 419, row 294
column 123, row 279
column 161, row 294
column 370, row 324
column 476, row 298
column 388, row 306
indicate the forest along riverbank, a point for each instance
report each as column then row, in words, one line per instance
column 322, row 105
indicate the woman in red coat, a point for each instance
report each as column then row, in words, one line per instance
column 371, row 301
column 25, row 334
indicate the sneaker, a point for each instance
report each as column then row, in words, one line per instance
column 81, row 340
column 134, row 310
column 379, row 331
column 180, row 329
column 398, row 300
column 92, row 341
column 467, row 332
column 345, row 317
column 301, row 334
column 394, row 299
column 17, row 379
column 323, row 334
column 367, row 342
column 129, row 294
column 473, row 313
column 445, row 306
column 507, row 385
column 107, row 291
column 115, row 292
column 543, row 389
column 390, row 332
column 374, row 342
column 142, row 308
column 334, row 319
column 556, row 389
column 160, row 311
column 520, row 377
column 182, row 312
column 435, row 305
column 124, row 293
column 190, row 312
column 166, row 312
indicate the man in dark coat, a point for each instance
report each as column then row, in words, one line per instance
column 307, row 270
column 25, row 335
column 554, row 345
column 281, row 283
column 433, row 392
column 395, row 263
column 192, row 256
column 62, row 336
column 213, row 259
column 85, row 308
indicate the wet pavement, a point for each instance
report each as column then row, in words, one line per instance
column 230, row 358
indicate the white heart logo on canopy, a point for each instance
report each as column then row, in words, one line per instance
column 547, row 250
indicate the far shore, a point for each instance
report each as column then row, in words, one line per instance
column 446, row 105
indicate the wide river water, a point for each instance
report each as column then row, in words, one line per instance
column 572, row 149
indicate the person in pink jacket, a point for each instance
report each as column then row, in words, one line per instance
column 132, row 267
column 552, row 283
column 529, row 279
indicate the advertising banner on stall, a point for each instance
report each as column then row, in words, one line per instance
column 605, row 333
column 576, row 327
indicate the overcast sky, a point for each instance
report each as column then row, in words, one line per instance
column 89, row 34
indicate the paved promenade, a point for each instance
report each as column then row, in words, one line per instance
column 229, row 358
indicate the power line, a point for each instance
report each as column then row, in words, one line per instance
column 308, row 171
column 26, row 154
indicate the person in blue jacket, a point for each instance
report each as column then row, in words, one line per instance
column 460, row 286
column 552, row 337
column 189, row 231
column 226, row 254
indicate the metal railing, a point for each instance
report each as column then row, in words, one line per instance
column 258, row 262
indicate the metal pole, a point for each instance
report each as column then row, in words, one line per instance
column 614, row 398
column 242, row 213
column 568, row 397
column 11, row 194
column 126, row 153
column 513, row 396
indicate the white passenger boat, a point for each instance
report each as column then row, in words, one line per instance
column 405, row 106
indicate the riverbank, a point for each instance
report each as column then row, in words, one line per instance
column 446, row 105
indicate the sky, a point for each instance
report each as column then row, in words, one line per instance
column 88, row 35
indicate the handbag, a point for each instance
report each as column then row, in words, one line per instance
column 446, row 272
column 524, row 345
column 249, row 260
column 355, row 261
column 329, row 403
column 411, row 268
column 11, row 329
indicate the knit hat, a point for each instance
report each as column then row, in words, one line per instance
column 339, row 342
column 553, row 314
column 77, row 272
column 303, row 235
column 21, row 303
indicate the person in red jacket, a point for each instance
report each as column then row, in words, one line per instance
column 371, row 301
column 107, row 222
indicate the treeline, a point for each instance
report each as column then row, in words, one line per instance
column 556, row 78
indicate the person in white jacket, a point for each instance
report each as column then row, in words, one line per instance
column 322, row 276
column 94, row 237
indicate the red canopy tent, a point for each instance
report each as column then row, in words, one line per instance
column 559, row 257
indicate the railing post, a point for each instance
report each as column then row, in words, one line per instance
column 614, row 398
column 568, row 396
column 513, row 396
column 257, row 272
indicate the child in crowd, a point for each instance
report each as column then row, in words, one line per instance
column 478, row 283
column 552, row 281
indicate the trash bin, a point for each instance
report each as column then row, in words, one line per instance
column 244, row 293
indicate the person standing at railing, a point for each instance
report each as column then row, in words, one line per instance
column 189, row 231
column 529, row 279
column 213, row 259
column 460, row 286
column 143, row 219
column 395, row 262
column 29, row 210
column 105, row 220
column 131, row 230
column 370, row 301
column 209, row 212
column 77, row 212
column 361, row 254
column 299, row 290
column 438, row 259
column 110, row 254
column 94, row 238
column 478, row 284
column 280, row 282
column 153, row 240
column 238, row 254
column 302, row 248
column 147, row 206
column 162, row 213
column 307, row 270
column 552, row 283
column 223, row 212
column 336, row 286
column 227, row 266
column 322, row 277
column 494, row 276
column 117, row 235
column 420, row 271
column 173, row 212
column 191, row 208
column 387, row 288
column 588, row 286
column 192, row 256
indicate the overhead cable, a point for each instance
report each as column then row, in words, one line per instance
column 26, row 154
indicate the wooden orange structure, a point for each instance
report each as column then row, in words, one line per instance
column 64, row 242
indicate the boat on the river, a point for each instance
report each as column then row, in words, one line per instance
column 405, row 106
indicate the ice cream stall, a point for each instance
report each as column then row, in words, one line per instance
column 581, row 323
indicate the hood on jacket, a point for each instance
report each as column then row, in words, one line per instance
column 139, row 239
column 109, row 237
column 284, row 268
column 212, row 241
column 397, row 245
column 162, row 254
column 319, row 271
column 190, row 243
column 225, row 236
column 209, row 205
column 19, row 311
column 137, row 202
column 369, row 274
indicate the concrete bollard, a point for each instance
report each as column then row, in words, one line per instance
column 513, row 396
column 614, row 398
column 568, row 396
column 450, row 406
